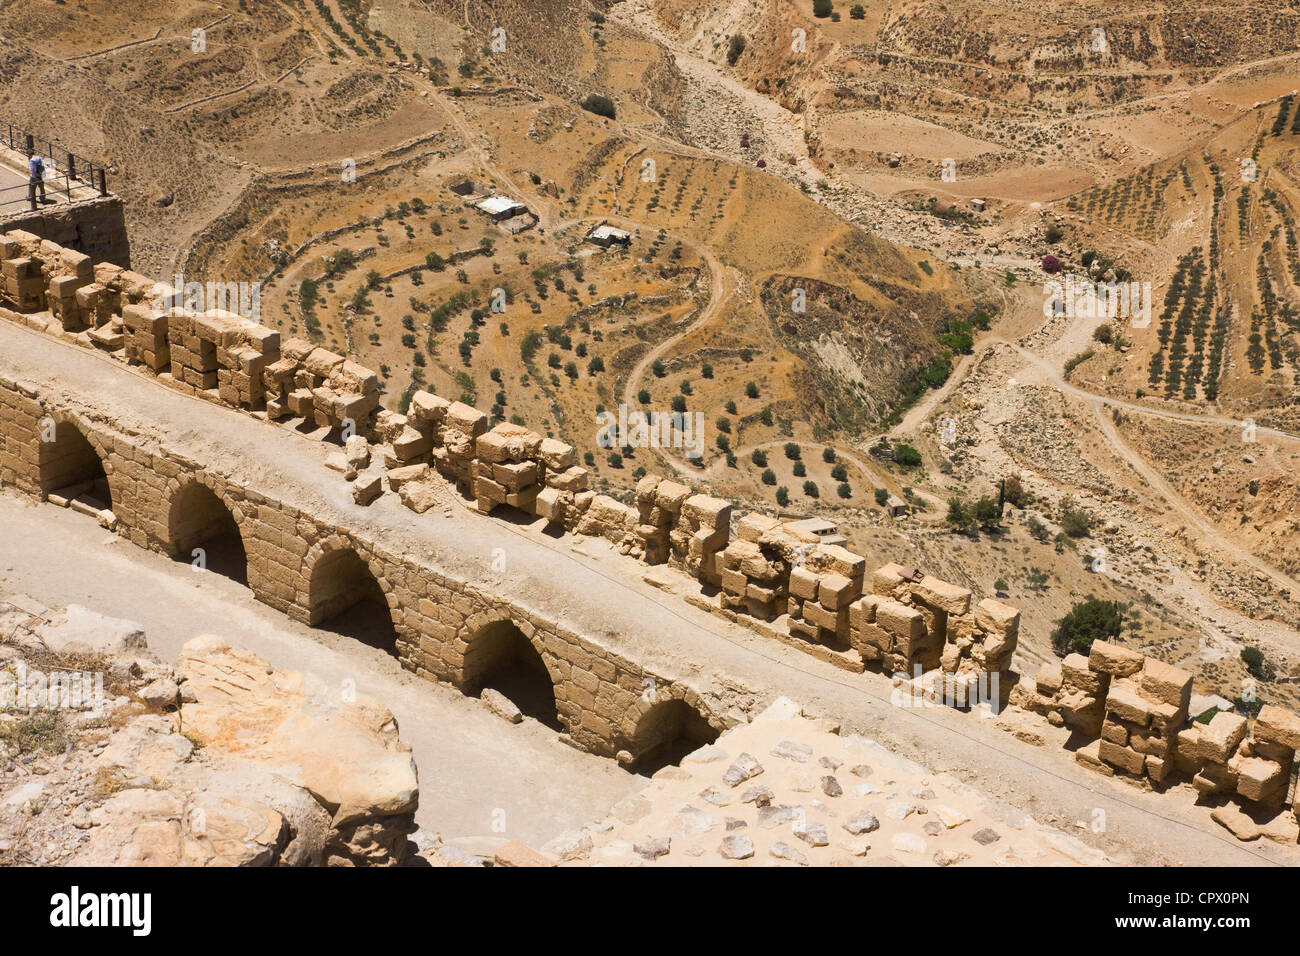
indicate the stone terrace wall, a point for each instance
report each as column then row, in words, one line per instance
column 771, row 576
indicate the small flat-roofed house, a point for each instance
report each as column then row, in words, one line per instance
column 498, row 208
column 826, row 531
column 606, row 236
column 979, row 205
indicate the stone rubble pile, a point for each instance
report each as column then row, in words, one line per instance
column 789, row 790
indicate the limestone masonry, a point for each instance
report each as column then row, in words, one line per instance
column 1131, row 713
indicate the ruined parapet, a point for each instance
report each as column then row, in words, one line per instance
column 1268, row 756
column 1082, row 699
column 1254, row 765
column 145, row 338
column 506, row 469
column 913, row 620
column 1145, row 709
column 696, row 544
column 222, row 356
column 67, row 272
column 659, row 507
column 608, row 518
column 1132, row 709
column 455, row 448
column 80, row 295
column 506, row 464
column 38, row 275
column 755, row 568
column 822, row 589
column 299, row 379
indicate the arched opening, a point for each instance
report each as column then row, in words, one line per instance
column 201, row 529
column 500, row 657
column 70, row 468
column 347, row 599
column 666, row 733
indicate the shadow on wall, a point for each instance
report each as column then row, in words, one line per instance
column 346, row 599
column 71, row 468
column 500, row 657
column 204, row 533
column 666, row 733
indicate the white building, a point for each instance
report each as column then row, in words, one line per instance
column 607, row 236
column 498, row 208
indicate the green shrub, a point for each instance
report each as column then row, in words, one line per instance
column 734, row 48
column 907, row 456
column 1089, row 620
column 600, row 105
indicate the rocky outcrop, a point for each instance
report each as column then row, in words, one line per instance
column 110, row 758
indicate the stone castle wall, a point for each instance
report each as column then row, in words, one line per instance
column 771, row 576
column 95, row 227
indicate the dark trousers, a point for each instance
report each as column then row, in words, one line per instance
column 33, row 184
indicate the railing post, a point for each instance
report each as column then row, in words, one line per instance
column 31, row 144
column 103, row 182
column 72, row 166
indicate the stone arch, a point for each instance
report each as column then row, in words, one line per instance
column 666, row 731
column 74, row 463
column 344, row 595
column 500, row 655
column 199, row 517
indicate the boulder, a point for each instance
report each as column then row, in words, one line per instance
column 345, row 753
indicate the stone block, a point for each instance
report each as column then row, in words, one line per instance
column 1108, row 658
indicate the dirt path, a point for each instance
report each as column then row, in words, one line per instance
column 720, row 278
column 1213, row 536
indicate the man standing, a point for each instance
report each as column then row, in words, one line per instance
column 35, row 178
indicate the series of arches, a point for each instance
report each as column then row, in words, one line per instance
column 345, row 596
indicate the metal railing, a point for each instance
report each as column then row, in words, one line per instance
column 64, row 170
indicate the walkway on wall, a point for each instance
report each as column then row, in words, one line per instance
column 601, row 595
column 470, row 762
